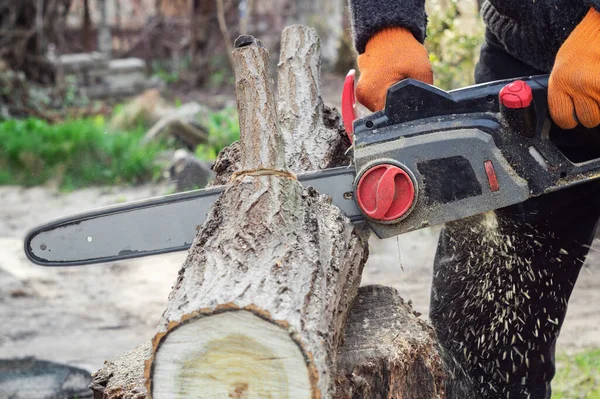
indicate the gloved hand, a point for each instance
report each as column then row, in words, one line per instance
column 391, row 55
column 574, row 86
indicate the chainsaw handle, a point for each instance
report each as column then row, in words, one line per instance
column 403, row 105
column 348, row 103
column 547, row 156
column 411, row 100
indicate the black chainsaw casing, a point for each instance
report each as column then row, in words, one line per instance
column 444, row 140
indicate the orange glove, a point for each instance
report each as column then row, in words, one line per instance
column 574, row 86
column 391, row 55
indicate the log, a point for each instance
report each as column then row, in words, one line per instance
column 313, row 133
column 388, row 351
column 309, row 144
column 261, row 305
column 305, row 271
column 123, row 378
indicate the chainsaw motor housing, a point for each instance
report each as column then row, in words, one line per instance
column 467, row 151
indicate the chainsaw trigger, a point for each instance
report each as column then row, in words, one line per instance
column 348, row 102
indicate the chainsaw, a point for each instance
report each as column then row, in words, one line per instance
column 428, row 158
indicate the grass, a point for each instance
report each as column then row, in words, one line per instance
column 73, row 154
column 577, row 376
column 85, row 152
column 223, row 129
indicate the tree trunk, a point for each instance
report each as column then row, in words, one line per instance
column 260, row 306
column 309, row 143
column 388, row 351
column 104, row 35
column 86, row 28
column 271, row 275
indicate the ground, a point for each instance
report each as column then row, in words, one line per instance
column 85, row 315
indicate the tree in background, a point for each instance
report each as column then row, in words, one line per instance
column 28, row 28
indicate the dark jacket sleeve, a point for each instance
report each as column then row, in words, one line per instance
column 593, row 3
column 371, row 16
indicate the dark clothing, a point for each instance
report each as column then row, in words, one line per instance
column 532, row 31
column 496, row 64
column 502, row 280
column 371, row 16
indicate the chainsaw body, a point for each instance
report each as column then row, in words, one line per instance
column 466, row 152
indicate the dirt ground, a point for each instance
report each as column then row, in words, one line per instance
column 85, row 315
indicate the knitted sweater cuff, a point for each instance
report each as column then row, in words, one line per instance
column 593, row 3
column 371, row 16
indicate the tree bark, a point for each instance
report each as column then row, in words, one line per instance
column 388, row 351
column 104, row 34
column 309, row 144
column 313, row 133
column 123, row 378
column 261, row 305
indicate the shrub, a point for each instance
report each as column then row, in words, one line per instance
column 452, row 52
column 223, row 129
column 73, row 154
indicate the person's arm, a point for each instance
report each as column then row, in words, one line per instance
column 388, row 35
column 372, row 16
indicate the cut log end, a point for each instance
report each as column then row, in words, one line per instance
column 234, row 354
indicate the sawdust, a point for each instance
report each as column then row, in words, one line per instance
column 498, row 312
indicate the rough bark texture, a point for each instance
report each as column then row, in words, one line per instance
column 278, row 261
column 270, row 252
column 270, row 248
column 283, row 254
column 309, row 144
column 313, row 132
column 388, row 351
column 229, row 158
column 260, row 136
column 123, row 378
column 226, row 164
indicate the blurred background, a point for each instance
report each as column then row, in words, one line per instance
column 109, row 101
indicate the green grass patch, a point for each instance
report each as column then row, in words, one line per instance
column 223, row 129
column 74, row 154
column 577, row 376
